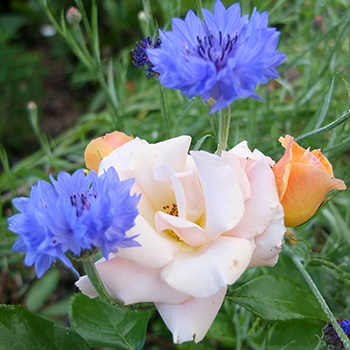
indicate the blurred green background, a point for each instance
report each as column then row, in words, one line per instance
column 37, row 64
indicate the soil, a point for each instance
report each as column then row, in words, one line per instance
column 62, row 106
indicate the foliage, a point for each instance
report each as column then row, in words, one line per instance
column 311, row 93
column 20, row 81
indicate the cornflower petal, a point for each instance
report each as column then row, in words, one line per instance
column 223, row 58
column 70, row 215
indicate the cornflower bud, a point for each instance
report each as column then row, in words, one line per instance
column 73, row 16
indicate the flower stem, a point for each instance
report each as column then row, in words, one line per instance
column 147, row 11
column 97, row 283
column 224, row 116
column 164, row 110
column 198, row 7
column 91, row 59
column 343, row 337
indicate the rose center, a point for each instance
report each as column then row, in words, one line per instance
column 171, row 210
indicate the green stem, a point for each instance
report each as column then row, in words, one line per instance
column 92, row 60
column 224, row 116
column 95, row 279
column 164, row 110
column 147, row 11
column 198, row 7
column 42, row 138
column 238, row 330
column 342, row 336
column 112, row 99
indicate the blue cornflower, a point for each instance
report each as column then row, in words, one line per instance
column 330, row 336
column 345, row 325
column 140, row 54
column 77, row 212
column 223, row 58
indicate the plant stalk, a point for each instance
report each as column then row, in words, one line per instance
column 224, row 116
column 164, row 110
column 342, row 336
column 95, row 279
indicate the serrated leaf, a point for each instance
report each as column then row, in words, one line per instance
column 102, row 325
column 274, row 297
column 22, row 330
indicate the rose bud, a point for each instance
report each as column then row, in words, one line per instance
column 303, row 179
column 101, row 147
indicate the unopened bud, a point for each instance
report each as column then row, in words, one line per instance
column 73, row 16
column 317, row 23
column 32, row 106
column 142, row 16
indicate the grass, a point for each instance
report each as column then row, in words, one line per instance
column 312, row 92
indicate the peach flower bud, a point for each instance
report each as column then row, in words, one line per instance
column 101, row 147
column 303, row 179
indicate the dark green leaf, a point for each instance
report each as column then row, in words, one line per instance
column 295, row 335
column 287, row 268
column 22, row 330
column 60, row 308
column 275, row 297
column 105, row 326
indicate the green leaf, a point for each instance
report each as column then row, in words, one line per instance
column 41, row 290
column 102, row 325
column 199, row 143
column 287, row 268
column 22, row 330
column 323, row 111
column 346, row 85
column 295, row 335
column 60, row 308
column 274, row 297
column 95, row 42
column 111, row 85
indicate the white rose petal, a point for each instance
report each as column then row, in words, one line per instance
column 203, row 220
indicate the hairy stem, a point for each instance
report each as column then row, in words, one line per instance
column 97, row 283
column 224, row 116
column 342, row 336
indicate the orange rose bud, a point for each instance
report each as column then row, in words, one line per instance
column 303, row 179
column 101, row 147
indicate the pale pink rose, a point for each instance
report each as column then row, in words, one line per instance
column 203, row 221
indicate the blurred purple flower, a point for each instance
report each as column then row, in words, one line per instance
column 140, row 54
